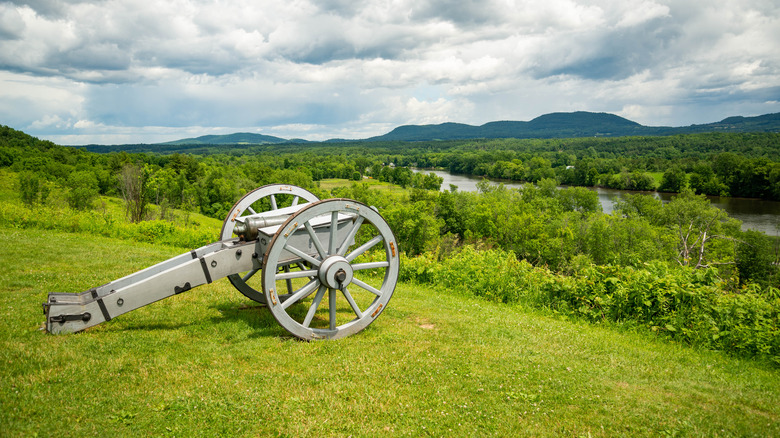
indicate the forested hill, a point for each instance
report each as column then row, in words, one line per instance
column 237, row 138
column 573, row 125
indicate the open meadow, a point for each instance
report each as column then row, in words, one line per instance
column 438, row 362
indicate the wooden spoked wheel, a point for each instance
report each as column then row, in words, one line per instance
column 261, row 202
column 348, row 262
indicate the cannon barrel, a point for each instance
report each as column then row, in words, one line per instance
column 249, row 228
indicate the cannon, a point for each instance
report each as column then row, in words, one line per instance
column 278, row 246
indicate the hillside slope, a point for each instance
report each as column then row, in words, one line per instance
column 209, row 362
column 237, row 138
column 573, row 125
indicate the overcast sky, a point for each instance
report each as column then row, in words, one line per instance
column 145, row 71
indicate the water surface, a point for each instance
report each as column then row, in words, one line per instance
column 755, row 214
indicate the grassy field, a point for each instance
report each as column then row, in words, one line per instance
column 332, row 183
column 657, row 176
column 209, row 362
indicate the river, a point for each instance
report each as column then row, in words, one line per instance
column 755, row 214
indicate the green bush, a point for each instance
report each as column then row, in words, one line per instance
column 82, row 190
column 33, row 189
column 755, row 258
column 414, row 225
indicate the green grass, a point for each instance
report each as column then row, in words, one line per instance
column 332, row 183
column 209, row 362
column 657, row 176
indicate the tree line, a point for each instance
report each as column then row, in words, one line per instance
column 547, row 226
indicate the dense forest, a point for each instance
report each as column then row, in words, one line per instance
column 741, row 165
column 648, row 262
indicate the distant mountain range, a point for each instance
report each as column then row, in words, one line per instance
column 554, row 125
column 571, row 125
column 237, row 138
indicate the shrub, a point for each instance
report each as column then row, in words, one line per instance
column 414, row 225
column 82, row 190
column 33, row 189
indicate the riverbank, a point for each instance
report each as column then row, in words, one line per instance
column 755, row 214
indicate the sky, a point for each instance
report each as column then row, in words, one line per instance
column 146, row 71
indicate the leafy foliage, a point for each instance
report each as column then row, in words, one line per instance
column 82, row 189
column 674, row 180
column 755, row 258
column 32, row 188
column 697, row 227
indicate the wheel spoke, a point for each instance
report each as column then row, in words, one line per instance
column 297, row 274
column 273, row 202
column 301, row 293
column 334, row 221
column 250, row 274
column 350, row 235
column 367, row 287
column 314, row 306
column 352, row 303
column 251, row 210
column 302, row 267
column 363, row 248
column 288, row 281
column 372, row 265
column 302, row 255
column 295, row 200
column 332, row 308
column 315, row 240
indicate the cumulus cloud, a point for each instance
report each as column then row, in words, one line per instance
column 11, row 23
column 352, row 69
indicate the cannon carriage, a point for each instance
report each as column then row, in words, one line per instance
column 279, row 245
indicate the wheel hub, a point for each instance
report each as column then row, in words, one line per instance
column 335, row 272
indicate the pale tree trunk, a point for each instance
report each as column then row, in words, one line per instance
column 132, row 185
column 693, row 243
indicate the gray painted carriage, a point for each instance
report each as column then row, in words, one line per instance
column 288, row 246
